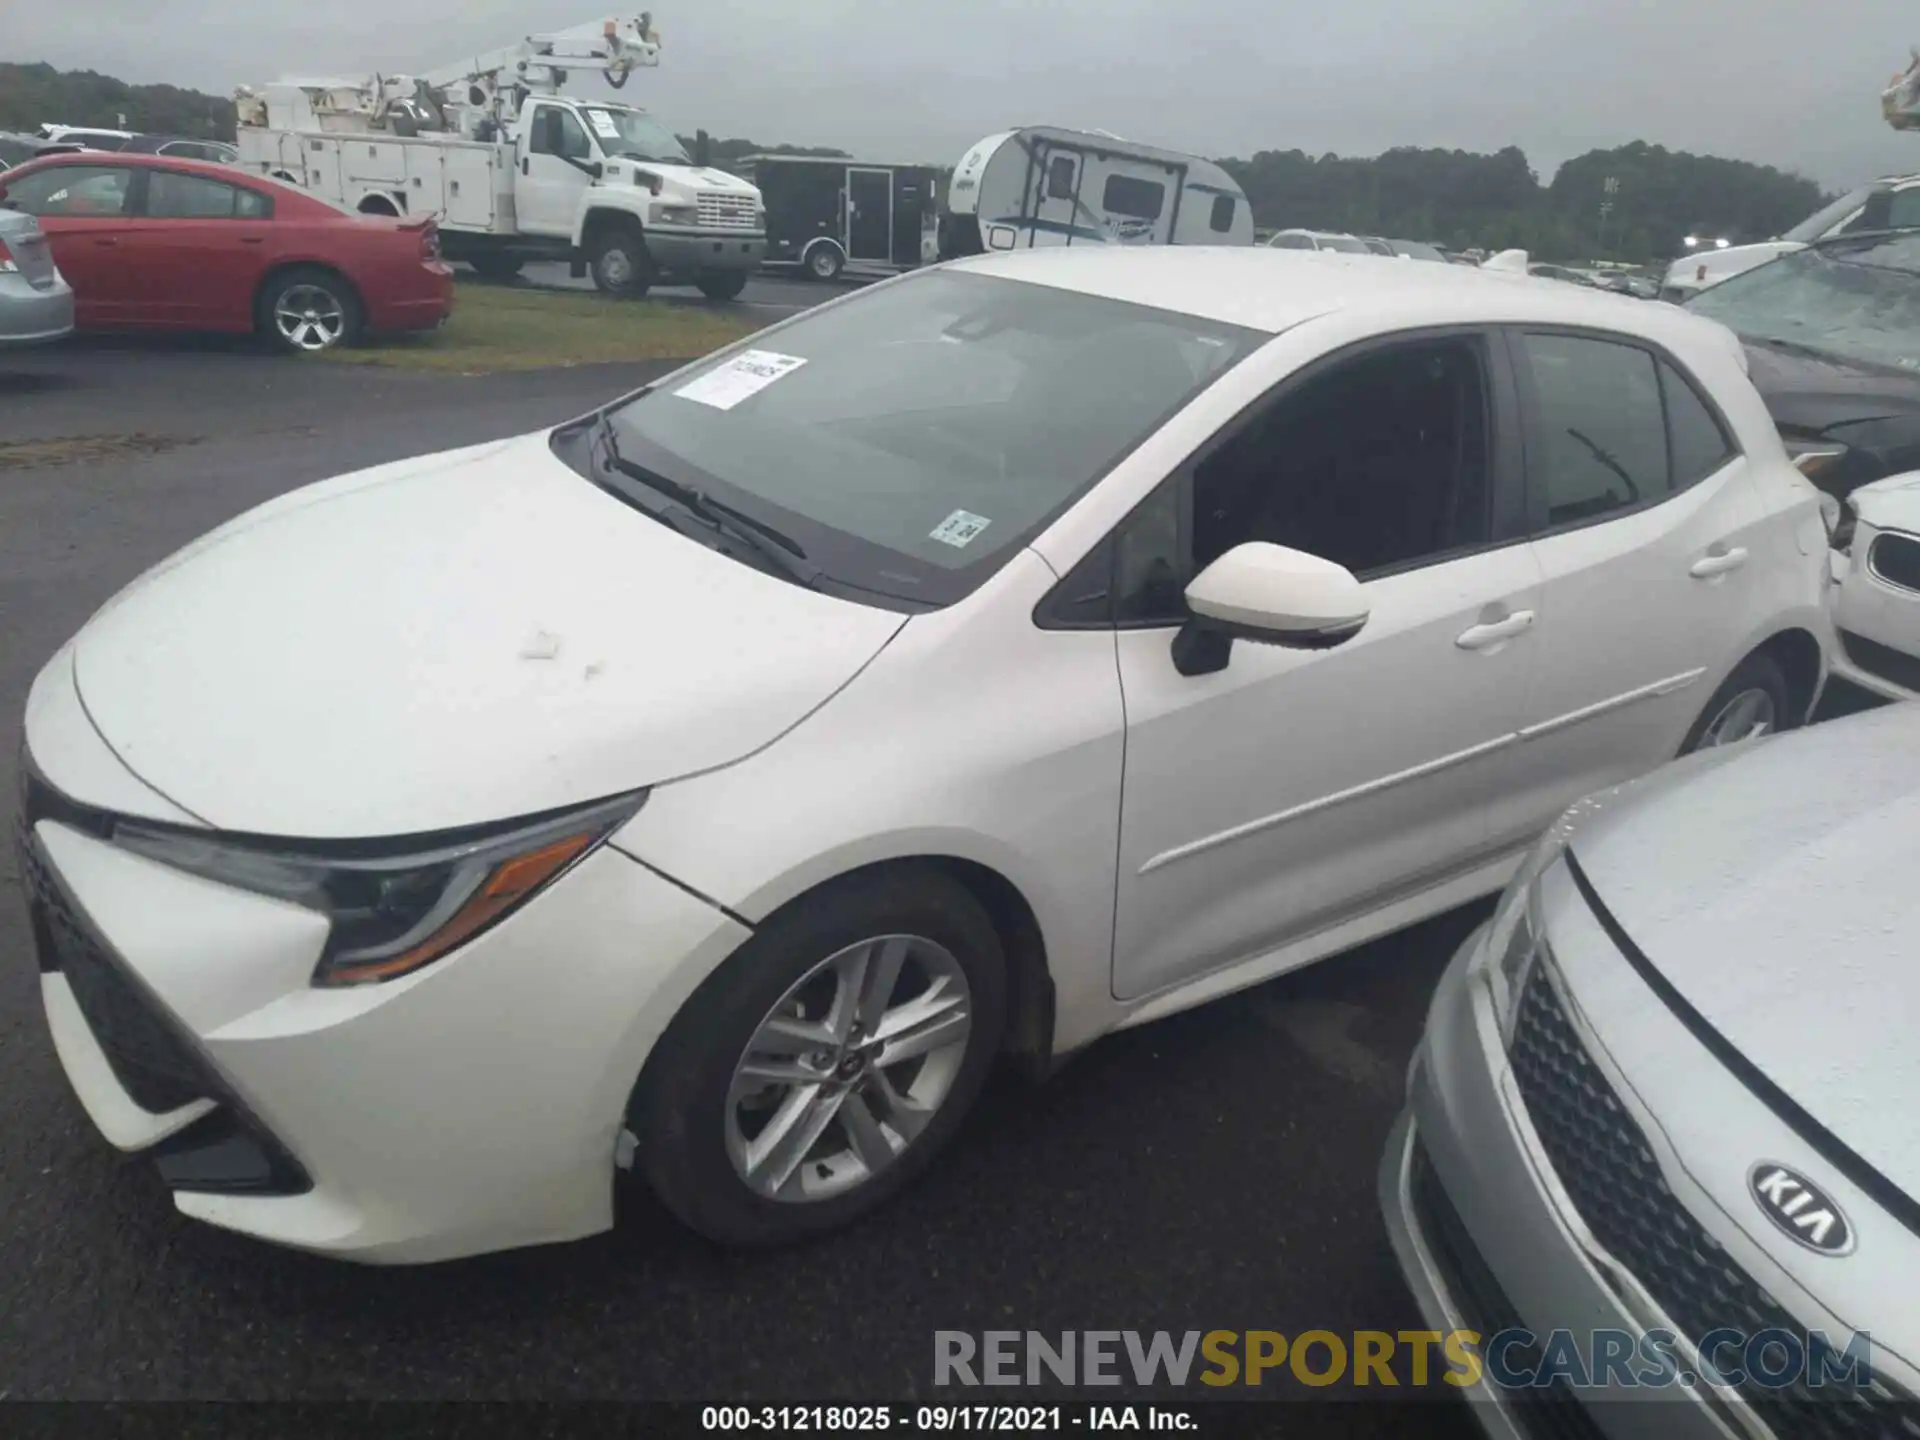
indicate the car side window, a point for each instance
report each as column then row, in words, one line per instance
column 1903, row 208
column 557, row 131
column 76, row 191
column 1598, row 435
column 1378, row 463
column 1294, row 242
column 174, row 195
column 1700, row 444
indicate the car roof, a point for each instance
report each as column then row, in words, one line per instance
column 139, row 159
column 1274, row 290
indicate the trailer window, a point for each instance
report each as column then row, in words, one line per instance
column 1221, row 221
column 1132, row 196
column 1060, row 171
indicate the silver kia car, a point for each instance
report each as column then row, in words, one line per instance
column 1662, row 1139
column 36, row 305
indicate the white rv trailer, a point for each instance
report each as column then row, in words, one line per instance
column 1041, row 185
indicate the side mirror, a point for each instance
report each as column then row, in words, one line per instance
column 1270, row 595
column 596, row 170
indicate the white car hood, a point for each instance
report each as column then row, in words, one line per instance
column 459, row 639
column 1890, row 503
column 1724, row 264
column 1774, row 888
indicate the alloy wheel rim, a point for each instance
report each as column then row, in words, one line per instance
column 848, row 1068
column 616, row 267
column 1745, row 717
column 309, row 317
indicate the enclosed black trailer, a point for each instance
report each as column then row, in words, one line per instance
column 825, row 214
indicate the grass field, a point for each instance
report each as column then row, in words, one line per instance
column 497, row 328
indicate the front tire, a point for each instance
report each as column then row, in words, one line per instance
column 307, row 310
column 827, row 1062
column 617, row 259
column 1755, row 700
column 722, row 284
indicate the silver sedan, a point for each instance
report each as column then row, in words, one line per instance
column 1660, row 1140
column 36, row 304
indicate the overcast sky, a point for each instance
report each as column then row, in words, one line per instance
column 1792, row 82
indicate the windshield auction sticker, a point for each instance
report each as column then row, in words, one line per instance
column 741, row 378
column 602, row 122
column 959, row 529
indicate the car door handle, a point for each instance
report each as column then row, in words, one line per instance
column 106, row 242
column 253, row 239
column 1717, row 561
column 1492, row 632
column 1480, row 637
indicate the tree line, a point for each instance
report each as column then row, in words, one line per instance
column 1637, row 202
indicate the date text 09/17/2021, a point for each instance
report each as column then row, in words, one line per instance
column 943, row 1419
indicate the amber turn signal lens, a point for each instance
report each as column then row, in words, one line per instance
column 510, row 882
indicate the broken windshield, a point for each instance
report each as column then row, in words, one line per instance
column 1856, row 300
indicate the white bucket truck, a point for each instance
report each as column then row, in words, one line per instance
column 513, row 169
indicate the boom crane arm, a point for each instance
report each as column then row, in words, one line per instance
column 539, row 64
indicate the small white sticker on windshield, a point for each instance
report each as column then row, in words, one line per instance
column 603, row 124
column 745, row 375
column 960, row 528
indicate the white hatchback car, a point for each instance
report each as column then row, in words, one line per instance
column 1005, row 654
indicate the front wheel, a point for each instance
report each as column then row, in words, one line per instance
column 722, row 284
column 827, row 1063
column 1755, row 700
column 618, row 261
column 309, row 310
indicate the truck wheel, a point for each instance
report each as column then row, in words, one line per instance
column 618, row 260
column 309, row 309
column 722, row 284
column 825, row 261
column 490, row 265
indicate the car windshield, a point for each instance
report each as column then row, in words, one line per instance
column 911, row 438
column 1345, row 243
column 1855, row 300
column 15, row 152
column 634, row 135
column 1824, row 219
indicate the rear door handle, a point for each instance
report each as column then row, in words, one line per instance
column 106, row 242
column 1482, row 637
column 1717, row 561
column 253, row 239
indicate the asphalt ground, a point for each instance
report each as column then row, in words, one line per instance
column 1213, row 1171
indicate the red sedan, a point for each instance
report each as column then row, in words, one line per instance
column 149, row 242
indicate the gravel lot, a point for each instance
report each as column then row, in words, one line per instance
column 1212, row 1171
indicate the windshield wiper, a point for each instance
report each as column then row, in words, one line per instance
column 779, row 551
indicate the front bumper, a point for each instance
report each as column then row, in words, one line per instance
column 30, row 316
column 686, row 252
column 1487, row 1241
column 473, row 1106
column 1876, row 623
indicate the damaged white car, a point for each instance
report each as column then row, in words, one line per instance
column 1876, row 596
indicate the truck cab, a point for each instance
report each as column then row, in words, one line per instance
column 621, row 189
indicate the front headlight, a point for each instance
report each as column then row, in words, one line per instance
column 395, row 907
column 1513, row 937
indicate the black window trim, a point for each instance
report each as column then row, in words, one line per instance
column 1092, row 579
column 139, row 202
column 1536, row 492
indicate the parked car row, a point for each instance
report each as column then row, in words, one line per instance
column 150, row 242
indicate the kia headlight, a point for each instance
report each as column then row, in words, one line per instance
column 394, row 907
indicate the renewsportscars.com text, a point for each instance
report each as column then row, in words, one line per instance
column 1509, row 1359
